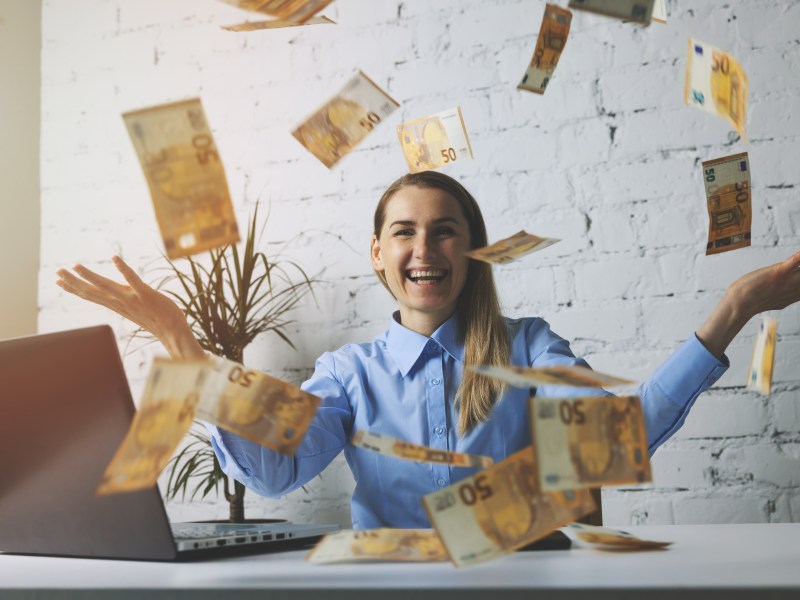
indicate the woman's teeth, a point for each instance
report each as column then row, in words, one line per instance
column 427, row 276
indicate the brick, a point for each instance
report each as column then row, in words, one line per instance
column 742, row 508
column 787, row 411
column 677, row 468
column 717, row 414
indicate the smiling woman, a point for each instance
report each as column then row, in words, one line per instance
column 424, row 223
column 410, row 382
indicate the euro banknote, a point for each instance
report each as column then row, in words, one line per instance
column 716, row 83
column 434, row 141
column 256, row 406
column 660, row 11
column 549, row 46
column 605, row 538
column 759, row 375
column 385, row 544
column 589, row 441
column 638, row 11
column 185, row 176
column 277, row 24
column 498, row 510
column 298, row 11
column 166, row 412
column 389, row 446
column 518, row 245
column 729, row 203
column 566, row 375
column 344, row 120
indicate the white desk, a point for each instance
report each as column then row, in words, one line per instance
column 706, row 561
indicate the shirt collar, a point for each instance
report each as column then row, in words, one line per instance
column 407, row 346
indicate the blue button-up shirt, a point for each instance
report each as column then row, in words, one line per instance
column 403, row 384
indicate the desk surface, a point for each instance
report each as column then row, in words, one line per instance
column 705, row 561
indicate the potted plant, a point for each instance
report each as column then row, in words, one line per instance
column 229, row 300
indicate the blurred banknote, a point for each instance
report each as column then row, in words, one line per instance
column 501, row 509
column 298, row 11
column 403, row 545
column 342, row 122
column 728, row 197
column 165, row 414
column 604, row 538
column 256, row 406
column 572, row 376
column 716, row 83
column 277, row 24
column 638, row 11
column 759, row 376
column 434, row 141
column 518, row 245
column 185, row 176
column 660, row 11
column 389, row 446
column 549, row 46
column 589, row 441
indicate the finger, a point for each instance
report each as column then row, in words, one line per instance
column 793, row 262
column 104, row 283
column 129, row 274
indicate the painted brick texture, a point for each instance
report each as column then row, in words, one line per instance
column 608, row 159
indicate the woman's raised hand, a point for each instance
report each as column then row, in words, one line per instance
column 769, row 288
column 136, row 301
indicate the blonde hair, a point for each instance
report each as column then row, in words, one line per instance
column 481, row 327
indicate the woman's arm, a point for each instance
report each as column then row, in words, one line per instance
column 137, row 302
column 769, row 288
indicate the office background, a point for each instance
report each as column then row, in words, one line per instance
column 608, row 160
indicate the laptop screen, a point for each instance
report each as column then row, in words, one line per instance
column 65, row 406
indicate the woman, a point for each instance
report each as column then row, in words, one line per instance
column 410, row 383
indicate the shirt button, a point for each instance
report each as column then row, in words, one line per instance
column 432, row 346
column 441, row 482
column 436, row 381
column 439, row 430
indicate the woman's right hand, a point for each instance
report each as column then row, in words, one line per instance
column 136, row 301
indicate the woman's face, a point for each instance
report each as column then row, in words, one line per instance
column 421, row 252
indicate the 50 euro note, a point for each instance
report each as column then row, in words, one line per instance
column 605, row 538
column 385, row 544
column 277, row 24
column 759, row 375
column 496, row 511
column 166, row 411
column 434, row 141
column 716, row 83
column 660, row 11
column 589, row 441
column 298, row 11
column 389, row 446
column 549, row 46
column 518, row 245
column 729, row 203
column 638, row 11
column 566, row 375
column 256, row 406
column 185, row 176
column 346, row 119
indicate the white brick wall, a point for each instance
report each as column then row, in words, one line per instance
column 608, row 159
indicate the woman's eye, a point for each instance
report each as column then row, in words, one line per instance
column 403, row 232
column 445, row 231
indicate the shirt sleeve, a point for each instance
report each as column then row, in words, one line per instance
column 271, row 473
column 667, row 396
column 671, row 391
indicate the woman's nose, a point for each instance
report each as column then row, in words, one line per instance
column 424, row 247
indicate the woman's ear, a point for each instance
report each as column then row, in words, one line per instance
column 375, row 254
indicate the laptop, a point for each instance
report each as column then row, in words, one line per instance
column 65, row 406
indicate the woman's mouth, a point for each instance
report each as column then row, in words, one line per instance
column 426, row 276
